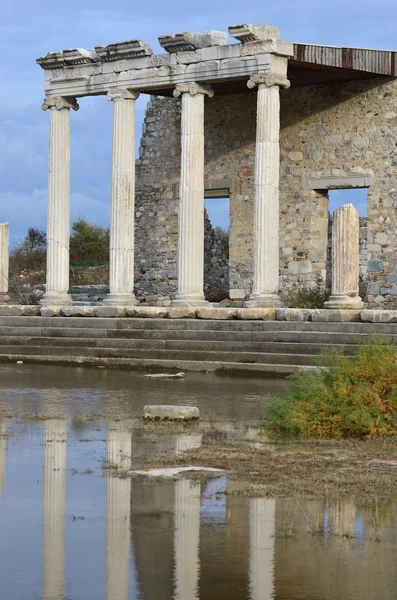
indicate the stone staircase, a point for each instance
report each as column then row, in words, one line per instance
column 269, row 347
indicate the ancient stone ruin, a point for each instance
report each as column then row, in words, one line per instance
column 272, row 125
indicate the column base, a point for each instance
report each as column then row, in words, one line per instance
column 190, row 300
column 4, row 298
column 265, row 301
column 120, row 299
column 56, row 299
column 344, row 302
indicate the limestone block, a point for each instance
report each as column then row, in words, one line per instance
column 50, row 311
column 379, row 316
column 79, row 311
column 153, row 312
column 110, row 311
column 171, row 413
column 251, row 314
column 182, row 312
column 216, row 313
column 237, row 294
column 294, row 314
column 30, row 310
column 329, row 315
column 9, row 310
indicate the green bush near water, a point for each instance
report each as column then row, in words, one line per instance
column 355, row 397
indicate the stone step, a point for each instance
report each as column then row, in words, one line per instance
column 201, row 356
column 96, row 323
column 309, row 337
column 186, row 345
column 262, row 369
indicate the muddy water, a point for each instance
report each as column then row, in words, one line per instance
column 71, row 531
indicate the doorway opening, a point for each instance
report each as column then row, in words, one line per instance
column 216, row 248
column 359, row 198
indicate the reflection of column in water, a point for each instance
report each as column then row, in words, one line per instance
column 3, row 450
column 342, row 517
column 55, row 451
column 118, row 515
column 186, row 441
column 262, row 542
column 186, row 538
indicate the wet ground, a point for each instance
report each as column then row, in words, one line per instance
column 73, row 529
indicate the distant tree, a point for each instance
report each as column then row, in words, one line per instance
column 89, row 242
column 35, row 239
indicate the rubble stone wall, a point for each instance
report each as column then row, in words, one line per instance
column 325, row 129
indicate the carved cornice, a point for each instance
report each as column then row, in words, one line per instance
column 254, row 33
column 122, row 95
column 268, row 79
column 123, row 50
column 67, row 58
column 60, row 103
column 193, row 89
column 188, row 41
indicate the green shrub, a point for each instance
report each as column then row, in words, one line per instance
column 355, row 397
column 306, row 296
column 89, row 243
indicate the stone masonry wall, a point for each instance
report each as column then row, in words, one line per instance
column 325, row 129
column 216, row 264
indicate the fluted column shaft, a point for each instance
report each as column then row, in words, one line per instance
column 262, row 547
column 118, row 533
column 345, row 259
column 266, row 200
column 186, row 538
column 4, row 239
column 122, row 221
column 191, row 204
column 3, row 452
column 55, row 456
column 58, row 215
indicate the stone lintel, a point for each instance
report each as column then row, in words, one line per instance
column 188, row 41
column 254, row 33
column 338, row 181
column 215, row 188
column 123, row 50
column 67, row 58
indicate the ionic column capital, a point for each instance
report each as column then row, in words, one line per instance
column 60, row 103
column 124, row 94
column 193, row 89
column 269, row 80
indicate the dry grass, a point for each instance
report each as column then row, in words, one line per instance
column 343, row 469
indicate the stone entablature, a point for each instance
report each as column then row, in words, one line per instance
column 191, row 57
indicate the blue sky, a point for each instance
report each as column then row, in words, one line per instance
column 30, row 29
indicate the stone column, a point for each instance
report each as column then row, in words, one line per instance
column 191, row 204
column 118, row 532
column 186, row 538
column 4, row 239
column 58, row 216
column 345, row 259
column 55, row 450
column 266, row 202
column 122, row 221
column 262, row 547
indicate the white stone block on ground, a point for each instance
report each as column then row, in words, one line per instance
column 173, row 471
column 171, row 413
column 250, row 314
column 182, row 312
column 328, row 315
column 216, row 313
column 379, row 316
column 154, row 312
